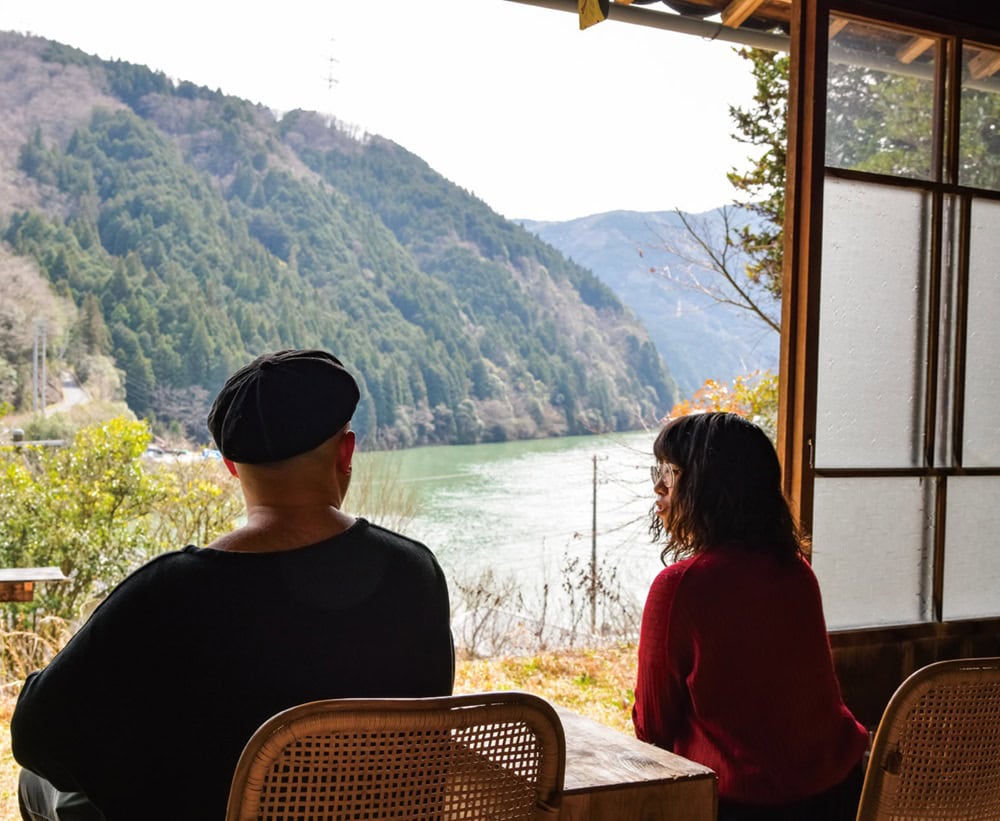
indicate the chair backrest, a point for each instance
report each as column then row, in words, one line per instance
column 487, row 755
column 936, row 753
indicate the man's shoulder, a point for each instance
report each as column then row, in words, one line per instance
column 370, row 531
column 165, row 564
column 151, row 584
column 401, row 556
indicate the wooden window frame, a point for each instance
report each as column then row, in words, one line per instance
column 806, row 174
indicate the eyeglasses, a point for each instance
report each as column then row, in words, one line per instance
column 663, row 473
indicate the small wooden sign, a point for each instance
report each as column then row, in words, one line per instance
column 17, row 591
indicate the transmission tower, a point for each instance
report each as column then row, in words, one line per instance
column 331, row 68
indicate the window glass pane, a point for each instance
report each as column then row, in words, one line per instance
column 872, row 549
column 872, row 349
column 981, row 430
column 972, row 560
column 880, row 100
column 979, row 145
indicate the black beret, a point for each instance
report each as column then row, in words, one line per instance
column 282, row 404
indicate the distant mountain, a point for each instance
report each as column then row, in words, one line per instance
column 194, row 230
column 700, row 338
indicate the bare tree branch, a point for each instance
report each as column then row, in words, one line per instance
column 720, row 258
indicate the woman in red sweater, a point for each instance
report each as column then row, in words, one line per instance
column 735, row 669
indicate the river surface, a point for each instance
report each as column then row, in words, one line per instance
column 525, row 512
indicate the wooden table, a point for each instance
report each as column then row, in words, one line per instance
column 18, row 583
column 611, row 776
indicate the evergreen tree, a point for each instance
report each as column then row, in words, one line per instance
column 761, row 186
column 94, row 334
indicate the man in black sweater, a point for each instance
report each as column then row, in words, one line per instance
column 144, row 713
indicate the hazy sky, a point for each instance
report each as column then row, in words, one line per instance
column 514, row 103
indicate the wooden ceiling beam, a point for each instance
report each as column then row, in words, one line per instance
column 908, row 52
column 985, row 64
column 837, row 25
column 737, row 11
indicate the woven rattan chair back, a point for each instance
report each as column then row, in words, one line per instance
column 936, row 753
column 484, row 756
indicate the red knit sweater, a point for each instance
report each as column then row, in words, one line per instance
column 735, row 672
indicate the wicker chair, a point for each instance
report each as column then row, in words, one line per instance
column 489, row 755
column 936, row 753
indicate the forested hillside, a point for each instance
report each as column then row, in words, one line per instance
column 192, row 230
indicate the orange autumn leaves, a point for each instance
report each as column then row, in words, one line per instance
column 753, row 395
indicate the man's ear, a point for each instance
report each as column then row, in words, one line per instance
column 231, row 467
column 345, row 452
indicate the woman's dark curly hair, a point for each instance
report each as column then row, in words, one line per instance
column 728, row 489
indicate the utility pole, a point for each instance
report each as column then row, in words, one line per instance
column 38, row 373
column 34, row 372
column 593, row 551
column 45, row 375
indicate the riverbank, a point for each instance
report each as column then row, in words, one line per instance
column 594, row 683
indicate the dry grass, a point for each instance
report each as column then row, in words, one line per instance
column 594, row 683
